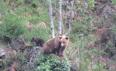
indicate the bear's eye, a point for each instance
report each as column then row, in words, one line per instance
column 66, row 38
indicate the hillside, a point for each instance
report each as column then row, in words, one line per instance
column 89, row 25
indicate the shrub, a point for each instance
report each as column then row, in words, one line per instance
column 83, row 26
column 114, row 2
column 91, row 4
column 52, row 63
column 37, row 32
column 12, row 27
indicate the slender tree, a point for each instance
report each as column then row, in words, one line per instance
column 51, row 18
column 60, row 17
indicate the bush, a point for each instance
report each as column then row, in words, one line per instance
column 52, row 63
column 37, row 32
column 12, row 27
column 83, row 26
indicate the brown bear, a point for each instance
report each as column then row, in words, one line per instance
column 56, row 45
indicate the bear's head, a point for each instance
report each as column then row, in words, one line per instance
column 63, row 40
column 63, row 43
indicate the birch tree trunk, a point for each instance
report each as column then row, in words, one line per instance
column 60, row 17
column 51, row 18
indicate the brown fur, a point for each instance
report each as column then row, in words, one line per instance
column 56, row 45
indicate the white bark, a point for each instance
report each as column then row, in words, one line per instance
column 60, row 17
column 51, row 18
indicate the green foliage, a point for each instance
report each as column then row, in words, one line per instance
column 91, row 4
column 21, row 57
column 82, row 26
column 87, row 59
column 33, row 15
column 52, row 63
column 3, row 8
column 12, row 26
column 37, row 32
column 35, row 11
column 114, row 2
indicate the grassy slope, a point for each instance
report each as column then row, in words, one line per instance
column 77, row 50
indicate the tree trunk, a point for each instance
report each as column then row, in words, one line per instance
column 60, row 17
column 51, row 18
